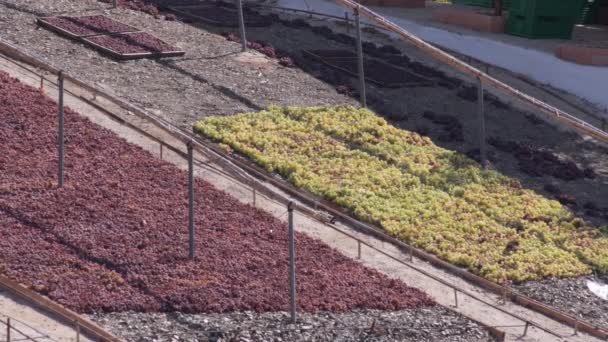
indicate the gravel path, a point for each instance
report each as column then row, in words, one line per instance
column 214, row 79
column 437, row 324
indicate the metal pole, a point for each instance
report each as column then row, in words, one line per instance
column 190, row 200
column 8, row 330
column 482, row 125
column 360, row 58
column 114, row 5
column 161, row 151
column 526, row 329
column 455, row 298
column 254, row 197
column 77, row 332
column 347, row 19
column 239, row 5
column 60, row 139
column 358, row 249
column 292, row 263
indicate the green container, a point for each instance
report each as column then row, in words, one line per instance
column 543, row 18
column 482, row 3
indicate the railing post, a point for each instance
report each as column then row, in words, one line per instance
column 114, row 4
column 60, row 140
column 292, row 263
column 360, row 59
column 8, row 329
column 358, row 249
column 455, row 298
column 482, row 125
column 347, row 19
column 526, row 328
column 77, row 331
column 239, row 5
column 190, row 200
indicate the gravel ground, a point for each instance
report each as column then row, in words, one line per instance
column 214, row 79
column 437, row 324
column 571, row 296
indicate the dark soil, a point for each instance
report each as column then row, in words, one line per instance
column 538, row 162
column 380, row 73
column 115, row 237
column 453, row 130
column 89, row 25
column 139, row 42
column 138, row 5
column 223, row 16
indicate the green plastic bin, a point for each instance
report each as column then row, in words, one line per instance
column 482, row 3
column 543, row 18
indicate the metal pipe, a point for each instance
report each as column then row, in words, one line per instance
column 8, row 329
column 292, row 263
column 455, row 298
column 347, row 22
column 475, row 73
column 526, row 329
column 482, row 125
column 360, row 58
column 358, row 249
column 60, row 139
column 114, row 4
column 190, row 199
column 77, row 331
column 239, row 5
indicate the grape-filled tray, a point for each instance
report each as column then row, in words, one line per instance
column 109, row 36
column 85, row 26
column 133, row 45
column 377, row 72
column 220, row 16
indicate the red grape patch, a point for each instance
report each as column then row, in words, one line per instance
column 115, row 237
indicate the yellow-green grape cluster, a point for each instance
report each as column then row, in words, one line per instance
column 436, row 199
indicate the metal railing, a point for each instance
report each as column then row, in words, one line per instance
column 13, row 330
column 240, row 173
column 233, row 170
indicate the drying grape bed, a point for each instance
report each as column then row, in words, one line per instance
column 111, row 37
column 378, row 72
column 133, row 45
column 76, row 27
column 115, row 237
column 220, row 16
column 434, row 198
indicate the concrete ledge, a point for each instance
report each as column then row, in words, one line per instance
column 395, row 3
column 470, row 19
column 583, row 55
